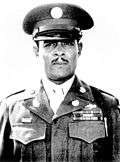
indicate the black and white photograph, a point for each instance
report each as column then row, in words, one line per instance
column 60, row 83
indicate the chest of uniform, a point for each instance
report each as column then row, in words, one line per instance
column 78, row 139
column 79, row 125
column 84, row 125
column 66, row 136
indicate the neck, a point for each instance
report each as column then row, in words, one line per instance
column 60, row 80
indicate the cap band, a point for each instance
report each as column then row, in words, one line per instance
column 57, row 34
column 69, row 22
column 53, row 28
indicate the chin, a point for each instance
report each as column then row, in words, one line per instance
column 60, row 77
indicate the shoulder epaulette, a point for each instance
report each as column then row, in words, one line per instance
column 15, row 93
column 20, row 95
column 105, row 100
column 110, row 99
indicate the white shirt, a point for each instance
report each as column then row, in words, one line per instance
column 55, row 92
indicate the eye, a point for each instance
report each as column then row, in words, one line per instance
column 48, row 43
column 68, row 42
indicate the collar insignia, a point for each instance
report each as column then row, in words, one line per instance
column 82, row 90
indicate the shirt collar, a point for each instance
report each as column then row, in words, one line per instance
column 49, row 86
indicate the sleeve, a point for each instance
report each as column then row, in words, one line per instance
column 113, row 105
column 111, row 109
column 115, row 130
column 116, row 136
column 6, row 144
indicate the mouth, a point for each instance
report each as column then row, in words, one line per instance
column 60, row 62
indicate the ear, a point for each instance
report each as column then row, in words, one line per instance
column 80, row 45
column 35, row 49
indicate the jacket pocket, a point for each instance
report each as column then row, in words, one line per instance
column 88, row 131
column 26, row 133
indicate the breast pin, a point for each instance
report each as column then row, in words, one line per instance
column 75, row 103
column 56, row 12
column 90, row 106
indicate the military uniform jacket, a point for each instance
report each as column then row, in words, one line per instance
column 86, row 127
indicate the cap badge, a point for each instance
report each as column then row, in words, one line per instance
column 56, row 12
column 75, row 103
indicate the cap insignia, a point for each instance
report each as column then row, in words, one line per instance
column 56, row 12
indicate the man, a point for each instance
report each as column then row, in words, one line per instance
column 65, row 120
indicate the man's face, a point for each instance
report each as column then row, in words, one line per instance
column 60, row 58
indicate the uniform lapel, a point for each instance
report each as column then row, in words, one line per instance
column 40, row 105
column 75, row 99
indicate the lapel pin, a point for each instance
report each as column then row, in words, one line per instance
column 82, row 90
column 75, row 103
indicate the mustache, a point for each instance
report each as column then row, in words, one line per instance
column 60, row 60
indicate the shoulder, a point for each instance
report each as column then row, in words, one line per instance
column 22, row 95
column 101, row 97
column 13, row 98
column 19, row 96
column 108, row 99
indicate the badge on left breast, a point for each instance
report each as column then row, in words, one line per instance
column 90, row 112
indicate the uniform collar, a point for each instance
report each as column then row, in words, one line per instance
column 82, row 90
column 74, row 100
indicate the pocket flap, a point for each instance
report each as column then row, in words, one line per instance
column 26, row 133
column 88, row 131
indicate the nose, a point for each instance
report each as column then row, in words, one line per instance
column 58, row 53
column 59, row 50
